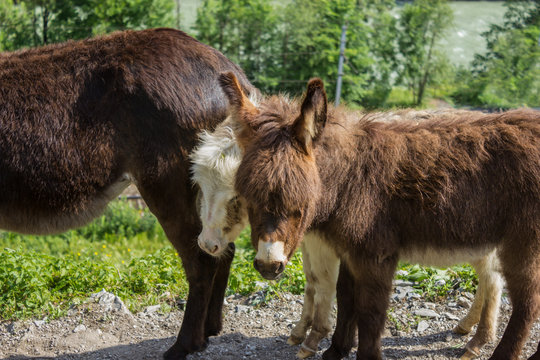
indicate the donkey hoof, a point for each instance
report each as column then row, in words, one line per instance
column 174, row 354
column 469, row 355
column 304, row 353
column 294, row 340
column 461, row 330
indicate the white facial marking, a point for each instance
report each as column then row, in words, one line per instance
column 271, row 251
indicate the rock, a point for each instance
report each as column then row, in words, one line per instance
column 152, row 309
column 402, row 273
column 464, row 302
column 181, row 303
column 468, row 295
column 426, row 313
column 242, row 308
column 110, row 302
column 451, row 316
column 79, row 328
column 440, row 282
column 413, row 295
column 402, row 283
column 429, row 305
column 39, row 323
column 422, row 326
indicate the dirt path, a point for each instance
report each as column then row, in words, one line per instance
column 89, row 332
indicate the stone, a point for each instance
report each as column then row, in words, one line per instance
column 464, row 302
column 152, row 309
column 422, row 326
column 451, row 316
column 423, row 312
column 110, row 302
column 242, row 308
column 79, row 328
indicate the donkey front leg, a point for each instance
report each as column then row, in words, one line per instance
column 214, row 318
column 298, row 334
column 373, row 284
column 324, row 269
column 174, row 207
column 343, row 338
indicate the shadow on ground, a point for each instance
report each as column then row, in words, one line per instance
column 237, row 346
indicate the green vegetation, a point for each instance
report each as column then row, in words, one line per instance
column 126, row 252
column 396, row 56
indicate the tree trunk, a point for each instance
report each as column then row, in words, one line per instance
column 45, row 25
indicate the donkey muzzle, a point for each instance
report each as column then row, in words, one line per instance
column 270, row 270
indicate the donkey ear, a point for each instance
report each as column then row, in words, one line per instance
column 312, row 117
column 241, row 108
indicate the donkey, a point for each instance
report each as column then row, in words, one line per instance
column 451, row 188
column 224, row 215
column 80, row 121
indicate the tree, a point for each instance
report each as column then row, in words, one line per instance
column 15, row 25
column 508, row 73
column 39, row 22
column 311, row 39
column 422, row 24
column 246, row 31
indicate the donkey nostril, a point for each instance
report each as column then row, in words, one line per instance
column 215, row 249
column 256, row 265
column 280, row 268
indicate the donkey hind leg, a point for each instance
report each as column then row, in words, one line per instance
column 343, row 338
column 490, row 285
column 373, row 284
column 522, row 274
column 298, row 334
column 214, row 318
column 325, row 268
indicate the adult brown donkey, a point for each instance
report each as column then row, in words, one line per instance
column 80, row 121
column 451, row 188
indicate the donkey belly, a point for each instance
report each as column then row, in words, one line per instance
column 444, row 257
column 44, row 216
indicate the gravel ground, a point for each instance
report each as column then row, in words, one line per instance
column 99, row 331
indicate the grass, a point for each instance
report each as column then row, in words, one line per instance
column 126, row 252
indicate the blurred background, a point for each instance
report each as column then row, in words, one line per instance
column 424, row 53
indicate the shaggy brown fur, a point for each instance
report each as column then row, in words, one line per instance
column 453, row 186
column 81, row 120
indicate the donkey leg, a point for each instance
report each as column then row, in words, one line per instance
column 522, row 273
column 343, row 338
column 373, row 284
column 174, row 207
column 298, row 334
column 472, row 318
column 214, row 319
column 325, row 268
column 491, row 282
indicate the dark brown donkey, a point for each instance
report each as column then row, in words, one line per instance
column 450, row 188
column 80, row 121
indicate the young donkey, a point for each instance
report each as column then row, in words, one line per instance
column 80, row 121
column 224, row 215
column 451, row 188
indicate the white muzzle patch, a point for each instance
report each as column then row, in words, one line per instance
column 271, row 251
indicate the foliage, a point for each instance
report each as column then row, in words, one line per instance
column 508, row 73
column 37, row 22
column 244, row 30
column 422, row 25
column 434, row 283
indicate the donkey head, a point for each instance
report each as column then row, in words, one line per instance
column 277, row 176
column 223, row 214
